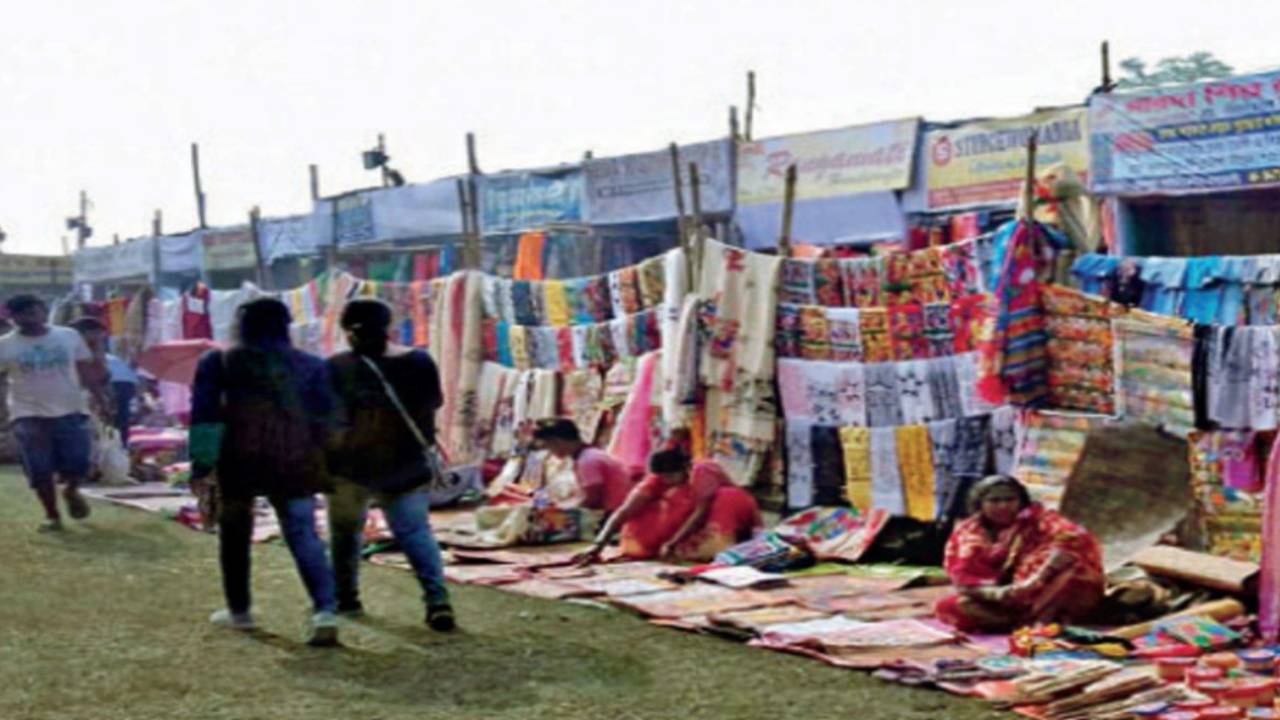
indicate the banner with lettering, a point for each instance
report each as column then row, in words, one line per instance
column 829, row 163
column 230, row 249
column 529, row 200
column 641, row 187
column 29, row 271
column 1216, row 135
column 985, row 162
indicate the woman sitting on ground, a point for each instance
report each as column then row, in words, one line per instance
column 1015, row 563
column 604, row 482
column 681, row 513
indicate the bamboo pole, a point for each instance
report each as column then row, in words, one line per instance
column 751, row 104
column 788, row 210
column 1107, row 84
column 698, row 240
column 682, row 229
column 473, row 165
column 195, row 175
column 314, row 171
column 157, row 224
column 477, row 237
column 260, row 266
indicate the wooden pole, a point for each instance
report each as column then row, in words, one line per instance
column 260, row 265
column 698, row 239
column 1107, row 85
column 477, row 238
column 464, row 207
column 331, row 250
column 473, row 166
column 382, row 148
column 751, row 103
column 157, row 223
column 788, row 208
column 733, row 124
column 314, row 170
column 1029, row 185
column 681, row 226
column 195, row 174
column 82, row 232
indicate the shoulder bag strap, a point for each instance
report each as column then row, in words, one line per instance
column 395, row 400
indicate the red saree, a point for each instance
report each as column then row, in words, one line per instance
column 1016, row 556
column 732, row 515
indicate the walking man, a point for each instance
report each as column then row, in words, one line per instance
column 50, row 369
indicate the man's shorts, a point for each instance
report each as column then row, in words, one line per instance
column 53, row 445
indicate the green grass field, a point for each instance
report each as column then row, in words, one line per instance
column 108, row 620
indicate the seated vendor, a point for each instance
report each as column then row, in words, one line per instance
column 1015, row 563
column 603, row 480
column 681, row 513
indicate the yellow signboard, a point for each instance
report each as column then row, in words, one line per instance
column 829, row 163
column 985, row 162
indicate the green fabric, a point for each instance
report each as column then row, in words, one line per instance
column 204, row 443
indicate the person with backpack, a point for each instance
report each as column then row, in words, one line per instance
column 260, row 417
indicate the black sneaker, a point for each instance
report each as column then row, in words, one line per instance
column 440, row 618
column 351, row 609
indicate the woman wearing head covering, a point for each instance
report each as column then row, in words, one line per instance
column 260, row 418
column 1014, row 563
column 681, row 513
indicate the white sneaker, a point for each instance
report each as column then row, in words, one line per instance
column 234, row 621
column 322, row 630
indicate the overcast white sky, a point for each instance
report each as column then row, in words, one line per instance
column 108, row 96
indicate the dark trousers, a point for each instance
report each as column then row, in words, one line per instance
column 122, row 394
column 298, row 524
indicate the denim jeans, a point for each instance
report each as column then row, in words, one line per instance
column 298, row 524
column 407, row 515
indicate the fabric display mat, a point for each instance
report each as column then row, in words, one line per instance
column 857, row 621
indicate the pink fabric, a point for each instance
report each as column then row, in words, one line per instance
column 604, row 481
column 633, row 440
column 175, row 398
column 1240, row 461
column 1269, row 586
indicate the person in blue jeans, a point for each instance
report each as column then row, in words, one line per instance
column 377, row 456
column 260, row 419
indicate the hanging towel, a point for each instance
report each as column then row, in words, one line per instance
column 886, row 480
column 855, row 443
column 913, row 392
column 815, row 333
column 519, row 344
column 942, row 438
column 915, row 462
column 884, row 408
column 529, row 254
column 877, row 345
column 800, row 470
column 828, row 466
column 846, row 334
column 788, row 335
column 557, row 303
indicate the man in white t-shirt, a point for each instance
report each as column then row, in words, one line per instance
column 49, row 368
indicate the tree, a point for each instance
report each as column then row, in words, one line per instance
column 1190, row 68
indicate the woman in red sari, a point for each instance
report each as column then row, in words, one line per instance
column 1015, row 563
column 681, row 513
